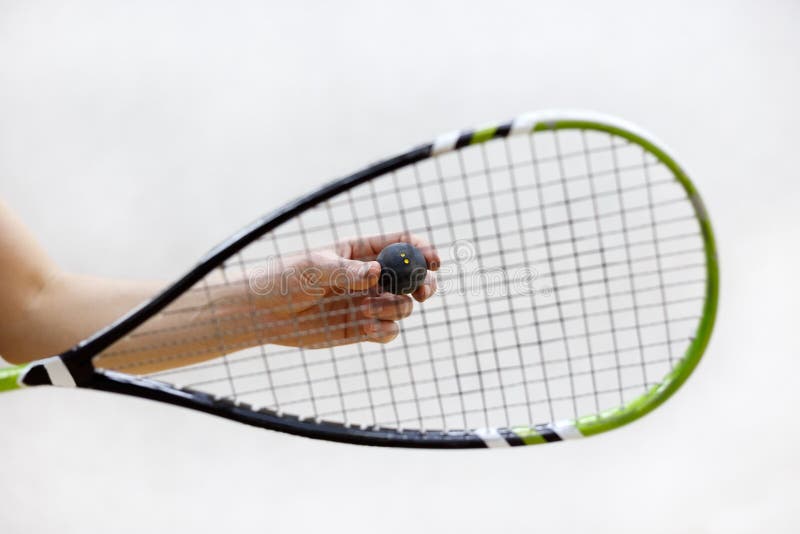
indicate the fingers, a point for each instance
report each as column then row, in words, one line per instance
column 342, row 274
column 387, row 307
column 427, row 288
column 371, row 246
column 381, row 312
column 380, row 331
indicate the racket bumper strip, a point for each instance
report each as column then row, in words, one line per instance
column 445, row 143
column 548, row 434
column 524, row 123
column 455, row 140
column 566, row 430
column 492, row 438
column 241, row 412
column 559, row 431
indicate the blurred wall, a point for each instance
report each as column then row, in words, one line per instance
column 136, row 135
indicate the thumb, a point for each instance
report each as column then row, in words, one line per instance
column 350, row 275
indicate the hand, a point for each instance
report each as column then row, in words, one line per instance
column 330, row 297
column 321, row 298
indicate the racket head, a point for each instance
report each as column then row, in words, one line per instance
column 293, row 227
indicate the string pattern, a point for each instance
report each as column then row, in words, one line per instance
column 572, row 280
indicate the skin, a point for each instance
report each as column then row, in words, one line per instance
column 313, row 300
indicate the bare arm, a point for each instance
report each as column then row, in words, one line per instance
column 44, row 311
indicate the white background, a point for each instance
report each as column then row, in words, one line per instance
column 136, row 135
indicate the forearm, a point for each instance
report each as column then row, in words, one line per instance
column 64, row 309
column 44, row 311
column 201, row 324
column 69, row 308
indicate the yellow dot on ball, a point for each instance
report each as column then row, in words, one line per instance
column 406, row 261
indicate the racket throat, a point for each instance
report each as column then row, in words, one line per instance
column 57, row 371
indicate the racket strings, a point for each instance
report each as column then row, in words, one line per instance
column 617, row 259
column 291, row 368
column 483, row 218
column 298, row 332
column 411, row 345
column 492, row 167
column 496, row 283
column 241, row 262
column 408, row 384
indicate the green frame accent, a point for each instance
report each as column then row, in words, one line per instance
column 9, row 377
column 647, row 402
column 483, row 135
column 528, row 435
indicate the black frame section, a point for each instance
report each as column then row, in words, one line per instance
column 244, row 413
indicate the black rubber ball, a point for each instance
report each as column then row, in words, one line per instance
column 403, row 268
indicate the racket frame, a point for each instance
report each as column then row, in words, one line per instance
column 74, row 367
